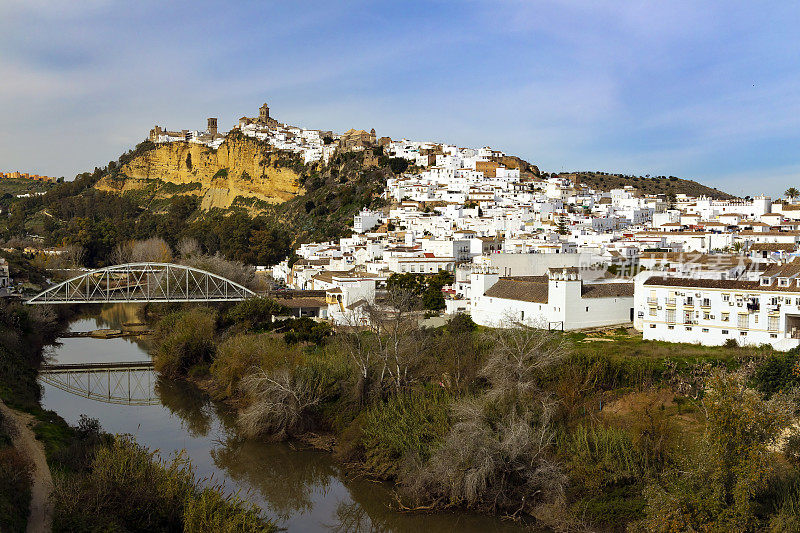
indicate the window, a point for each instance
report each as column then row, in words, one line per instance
column 756, row 319
column 705, row 330
column 743, row 333
column 706, row 316
column 587, row 309
column 670, row 327
column 689, row 300
column 688, row 328
column 652, row 326
column 724, row 331
column 787, row 301
column 653, row 311
column 772, row 323
column 726, row 297
column 774, row 301
column 706, row 302
column 726, row 317
column 671, row 316
column 783, row 282
column 743, row 322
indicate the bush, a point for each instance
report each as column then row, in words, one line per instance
column 129, row 488
column 253, row 314
column 241, row 355
column 406, row 428
column 184, row 339
column 15, row 490
column 776, row 373
column 598, row 457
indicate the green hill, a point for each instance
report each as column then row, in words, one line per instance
column 605, row 181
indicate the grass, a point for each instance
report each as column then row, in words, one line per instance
column 129, row 488
column 408, row 427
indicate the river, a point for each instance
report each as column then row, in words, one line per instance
column 302, row 490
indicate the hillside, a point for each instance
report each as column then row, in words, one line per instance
column 246, row 200
column 657, row 185
column 241, row 169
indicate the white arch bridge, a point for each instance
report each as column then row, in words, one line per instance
column 144, row 282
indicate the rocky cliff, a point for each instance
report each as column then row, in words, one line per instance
column 241, row 167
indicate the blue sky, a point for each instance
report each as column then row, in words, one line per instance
column 703, row 90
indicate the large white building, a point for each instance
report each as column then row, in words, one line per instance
column 559, row 300
column 715, row 311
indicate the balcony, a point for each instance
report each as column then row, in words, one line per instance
column 652, row 301
column 670, row 301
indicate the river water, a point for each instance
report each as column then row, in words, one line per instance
column 302, row 490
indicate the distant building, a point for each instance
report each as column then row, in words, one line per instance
column 212, row 126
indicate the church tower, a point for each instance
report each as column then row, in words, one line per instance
column 263, row 114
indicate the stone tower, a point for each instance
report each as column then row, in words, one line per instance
column 212, row 126
column 263, row 114
column 372, row 136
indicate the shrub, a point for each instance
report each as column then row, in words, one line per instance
column 211, row 511
column 254, row 314
column 241, row 355
column 408, row 427
column 15, row 490
column 776, row 373
column 184, row 339
column 129, row 488
column 597, row 456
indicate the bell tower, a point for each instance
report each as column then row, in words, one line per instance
column 263, row 114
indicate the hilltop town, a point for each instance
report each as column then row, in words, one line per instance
column 17, row 175
column 546, row 249
column 512, row 243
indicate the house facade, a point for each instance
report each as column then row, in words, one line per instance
column 714, row 311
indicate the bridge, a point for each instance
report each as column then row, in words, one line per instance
column 142, row 283
column 127, row 383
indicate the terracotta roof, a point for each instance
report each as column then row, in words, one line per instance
column 304, row 302
column 519, row 289
column 773, row 247
column 535, row 289
column 607, row 290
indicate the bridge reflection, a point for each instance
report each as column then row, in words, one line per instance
column 126, row 383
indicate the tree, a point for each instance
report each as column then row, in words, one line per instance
column 791, row 193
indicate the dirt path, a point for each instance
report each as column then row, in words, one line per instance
column 41, row 511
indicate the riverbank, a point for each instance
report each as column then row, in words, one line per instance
column 19, row 426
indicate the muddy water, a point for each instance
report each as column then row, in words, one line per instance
column 301, row 490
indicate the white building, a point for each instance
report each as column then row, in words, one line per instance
column 713, row 312
column 559, row 300
column 366, row 220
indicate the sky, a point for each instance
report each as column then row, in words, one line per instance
column 701, row 90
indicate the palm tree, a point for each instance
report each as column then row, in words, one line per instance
column 791, row 193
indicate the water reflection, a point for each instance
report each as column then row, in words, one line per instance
column 289, row 480
column 188, row 403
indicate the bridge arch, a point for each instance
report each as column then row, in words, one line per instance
column 142, row 283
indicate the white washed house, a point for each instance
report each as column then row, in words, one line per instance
column 559, row 300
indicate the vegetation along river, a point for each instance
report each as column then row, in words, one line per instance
column 302, row 490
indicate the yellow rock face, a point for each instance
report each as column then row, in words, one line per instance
column 250, row 173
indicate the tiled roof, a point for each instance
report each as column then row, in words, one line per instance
column 519, row 289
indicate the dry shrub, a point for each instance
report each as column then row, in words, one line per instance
column 280, row 403
column 497, row 456
column 235, row 271
column 241, row 355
